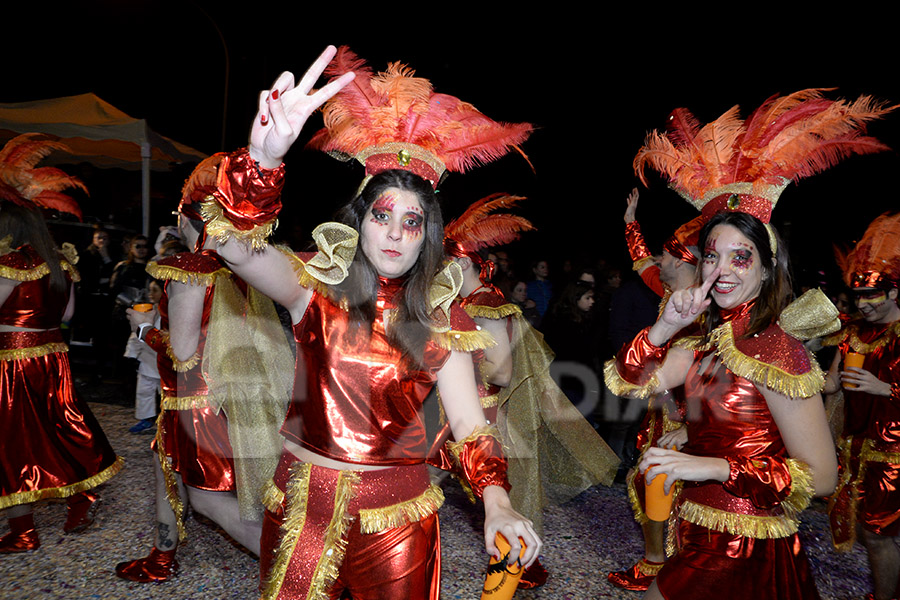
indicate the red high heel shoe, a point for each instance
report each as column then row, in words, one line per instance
column 157, row 566
column 22, row 537
column 81, row 510
column 638, row 578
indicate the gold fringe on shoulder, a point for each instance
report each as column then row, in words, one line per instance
column 793, row 386
column 166, row 273
column 304, row 278
column 328, row 568
column 375, row 520
column 33, row 352
column 63, row 491
column 184, row 402
column 74, row 275
column 463, row 341
column 219, row 227
column 857, row 345
column 492, row 312
column 291, row 529
column 169, row 477
column 33, row 274
column 752, row 526
column 181, row 366
column 271, row 497
column 618, row 386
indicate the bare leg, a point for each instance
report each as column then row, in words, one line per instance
column 166, row 523
column 222, row 507
column 653, row 593
column 19, row 510
column 884, row 559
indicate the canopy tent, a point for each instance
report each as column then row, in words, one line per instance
column 99, row 133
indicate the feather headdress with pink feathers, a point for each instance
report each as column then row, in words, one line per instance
column 25, row 185
column 395, row 120
column 744, row 165
column 875, row 261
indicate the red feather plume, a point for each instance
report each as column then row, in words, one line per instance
column 27, row 185
column 480, row 227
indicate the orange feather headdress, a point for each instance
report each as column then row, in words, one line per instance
column 394, row 120
column 25, row 185
column 875, row 261
column 480, row 227
column 744, row 165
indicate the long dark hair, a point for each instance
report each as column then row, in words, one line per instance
column 776, row 291
column 27, row 226
column 410, row 326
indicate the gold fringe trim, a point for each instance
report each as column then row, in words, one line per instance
column 671, row 535
column 691, row 342
column 74, row 275
column 489, row 401
column 329, row 566
column 271, row 497
column 492, row 312
column 641, row 263
column 463, row 341
column 844, row 446
column 181, row 366
column 751, row 526
column 869, row 454
column 456, row 448
column 802, row 489
column 65, row 491
column 34, row 352
column 169, row 477
column 375, row 520
column 851, row 334
column 291, row 528
column 618, row 386
column 794, row 386
column 42, row 270
column 184, row 402
column 639, row 515
column 219, row 227
column 170, row 273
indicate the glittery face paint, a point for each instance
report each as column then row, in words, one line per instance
column 392, row 236
column 740, row 277
column 876, row 306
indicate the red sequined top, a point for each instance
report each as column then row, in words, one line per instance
column 31, row 304
column 354, row 399
column 183, row 379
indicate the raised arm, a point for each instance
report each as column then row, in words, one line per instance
column 459, row 396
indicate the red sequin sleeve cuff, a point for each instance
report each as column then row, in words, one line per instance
column 481, row 460
column 764, row 480
column 157, row 340
column 246, row 201
column 634, row 239
column 638, row 361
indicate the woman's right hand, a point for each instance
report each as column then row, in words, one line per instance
column 632, row 201
column 284, row 108
column 682, row 309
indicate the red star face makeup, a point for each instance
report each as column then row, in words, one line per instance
column 741, row 275
column 391, row 235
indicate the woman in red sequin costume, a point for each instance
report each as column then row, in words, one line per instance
column 54, row 446
column 351, row 508
column 758, row 442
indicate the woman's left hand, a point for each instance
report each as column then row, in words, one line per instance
column 864, row 381
column 284, row 108
column 685, row 467
column 499, row 517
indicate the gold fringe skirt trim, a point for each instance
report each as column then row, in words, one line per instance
column 34, row 352
column 492, row 312
column 328, row 569
column 375, row 520
column 219, row 227
column 184, row 403
column 844, row 448
column 794, row 386
column 272, row 497
column 618, row 386
column 291, row 527
column 65, row 491
column 169, row 477
column 166, row 273
column 752, row 526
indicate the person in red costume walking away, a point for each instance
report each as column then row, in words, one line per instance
column 867, row 498
column 54, row 447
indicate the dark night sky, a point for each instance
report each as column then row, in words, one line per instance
column 591, row 84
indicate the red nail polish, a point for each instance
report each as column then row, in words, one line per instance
column 263, row 120
column 275, row 95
